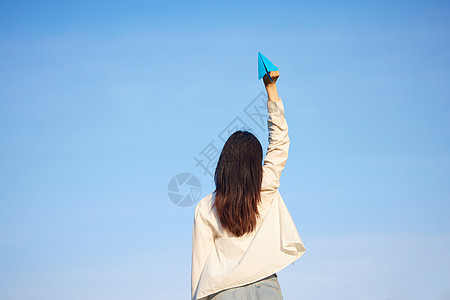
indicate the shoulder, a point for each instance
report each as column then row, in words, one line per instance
column 205, row 214
column 204, row 205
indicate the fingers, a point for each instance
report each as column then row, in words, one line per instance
column 273, row 78
column 274, row 74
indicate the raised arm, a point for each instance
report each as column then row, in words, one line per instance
column 277, row 152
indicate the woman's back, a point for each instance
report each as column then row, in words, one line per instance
column 221, row 260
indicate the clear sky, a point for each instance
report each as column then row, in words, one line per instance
column 102, row 103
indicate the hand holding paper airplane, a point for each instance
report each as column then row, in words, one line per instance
column 269, row 72
column 265, row 67
column 272, row 75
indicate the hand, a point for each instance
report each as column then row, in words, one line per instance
column 271, row 86
column 274, row 75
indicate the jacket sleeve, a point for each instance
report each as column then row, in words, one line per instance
column 202, row 243
column 277, row 151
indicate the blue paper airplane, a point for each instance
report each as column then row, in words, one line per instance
column 265, row 66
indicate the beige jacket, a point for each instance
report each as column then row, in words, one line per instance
column 221, row 261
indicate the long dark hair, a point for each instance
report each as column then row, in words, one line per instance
column 238, row 179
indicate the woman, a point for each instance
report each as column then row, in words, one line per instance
column 243, row 233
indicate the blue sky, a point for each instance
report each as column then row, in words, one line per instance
column 102, row 103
